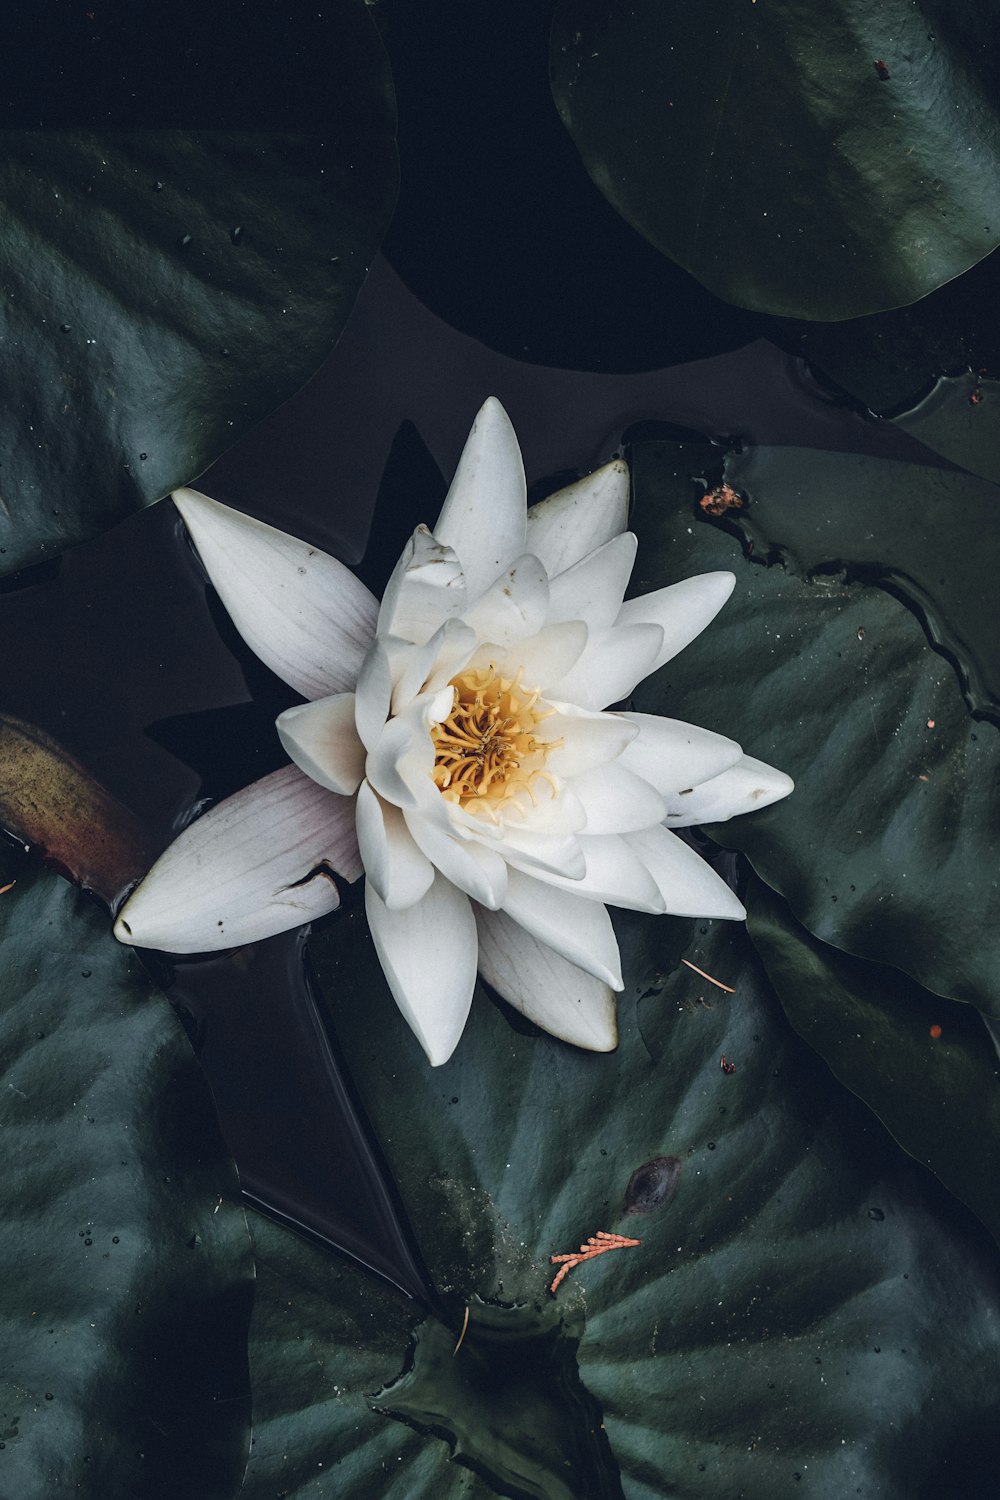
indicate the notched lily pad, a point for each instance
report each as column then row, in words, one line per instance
column 767, row 1301
column 511, row 1361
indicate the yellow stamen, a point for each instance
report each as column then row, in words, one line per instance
column 486, row 751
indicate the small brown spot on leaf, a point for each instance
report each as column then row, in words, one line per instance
column 652, row 1185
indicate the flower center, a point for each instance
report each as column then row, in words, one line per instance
column 486, row 747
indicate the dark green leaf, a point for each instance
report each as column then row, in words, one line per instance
column 323, row 1335
column 929, row 532
column 926, row 1066
column 958, row 418
column 887, row 846
column 126, row 1269
column 165, row 288
column 799, row 1307
column 817, row 163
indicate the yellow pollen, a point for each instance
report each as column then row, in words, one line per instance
column 486, row 751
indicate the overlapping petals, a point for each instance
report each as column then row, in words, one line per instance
column 458, row 744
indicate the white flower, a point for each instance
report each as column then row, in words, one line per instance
column 457, row 748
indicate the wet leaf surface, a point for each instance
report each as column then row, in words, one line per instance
column 886, row 847
column 127, row 1279
column 177, row 260
column 859, row 187
column 926, row 1066
column 782, row 1316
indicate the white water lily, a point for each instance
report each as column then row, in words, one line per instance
column 457, row 747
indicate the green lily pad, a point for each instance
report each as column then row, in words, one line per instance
column 887, row 846
column 818, row 164
column 798, row 1318
column 164, row 288
column 127, row 1277
column 958, row 418
column 930, row 533
column 926, row 1066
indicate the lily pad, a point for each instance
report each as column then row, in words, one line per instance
column 926, row 1066
column 800, row 1312
column 887, row 846
column 868, row 176
column 127, row 1276
column 174, row 268
column 929, row 533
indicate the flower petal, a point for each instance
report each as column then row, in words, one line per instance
column 614, row 873
column 682, row 611
column 483, row 516
column 427, row 668
column 373, row 695
column 515, row 606
column 593, row 589
column 428, row 953
column 395, row 866
column 543, row 986
column 426, row 587
column 544, row 658
column 574, row 521
column 245, row 870
column 616, row 800
column 478, row 871
column 578, row 929
column 400, row 764
column 745, row 787
column 613, row 662
column 671, row 755
column 688, row 885
column 301, row 611
column 589, row 738
column 322, row 739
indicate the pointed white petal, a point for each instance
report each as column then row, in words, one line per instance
column 682, row 611
column 593, row 589
column 542, row 985
column 373, row 695
column 515, row 606
column 578, row 929
column 393, row 863
column 400, row 764
column 745, row 787
column 614, row 873
column 428, row 953
column 614, row 661
column 483, row 517
column 427, row 587
column 672, row 755
column 556, row 855
column 616, row 800
column 427, row 668
column 301, row 611
column 589, row 738
column 543, row 659
column 478, row 871
column 322, row 739
column 687, row 883
column 245, row 870
column 579, row 518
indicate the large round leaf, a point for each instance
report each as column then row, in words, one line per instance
column 126, row 1273
column 887, row 847
column 801, row 1318
column 820, row 162
column 164, row 288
